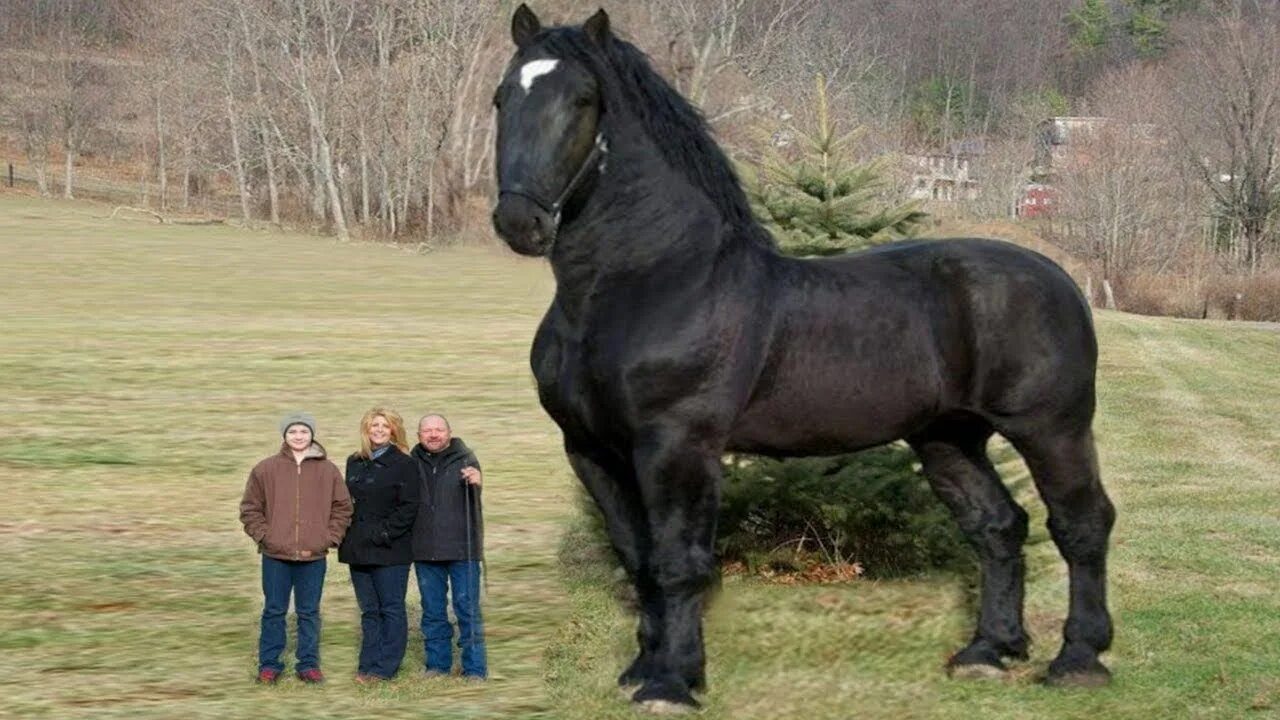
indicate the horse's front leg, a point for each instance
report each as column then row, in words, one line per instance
column 611, row 483
column 681, row 487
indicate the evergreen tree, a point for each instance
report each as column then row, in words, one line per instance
column 1091, row 27
column 823, row 203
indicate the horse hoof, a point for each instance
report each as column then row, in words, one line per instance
column 664, row 707
column 626, row 690
column 1077, row 666
column 665, row 696
column 976, row 671
column 979, row 661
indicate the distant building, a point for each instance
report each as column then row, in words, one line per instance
column 1038, row 200
column 946, row 176
column 1061, row 142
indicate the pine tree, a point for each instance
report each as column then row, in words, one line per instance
column 823, row 203
column 1091, row 26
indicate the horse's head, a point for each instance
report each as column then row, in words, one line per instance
column 549, row 138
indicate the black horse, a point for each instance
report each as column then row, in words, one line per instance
column 678, row 332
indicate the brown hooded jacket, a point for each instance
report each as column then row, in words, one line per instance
column 296, row 510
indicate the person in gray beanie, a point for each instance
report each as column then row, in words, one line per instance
column 295, row 507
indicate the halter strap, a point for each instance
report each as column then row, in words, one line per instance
column 595, row 157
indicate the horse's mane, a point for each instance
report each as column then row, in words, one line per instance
column 676, row 127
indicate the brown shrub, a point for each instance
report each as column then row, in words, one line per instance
column 1221, row 297
column 1167, row 295
column 1245, row 297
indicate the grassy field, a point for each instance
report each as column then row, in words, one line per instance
column 142, row 370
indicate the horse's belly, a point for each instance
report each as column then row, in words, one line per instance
column 817, row 417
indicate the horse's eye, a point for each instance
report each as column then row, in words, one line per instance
column 497, row 101
column 584, row 101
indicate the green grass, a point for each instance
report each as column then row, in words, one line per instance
column 142, row 371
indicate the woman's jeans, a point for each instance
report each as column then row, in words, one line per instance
column 303, row 580
column 384, row 626
column 434, row 581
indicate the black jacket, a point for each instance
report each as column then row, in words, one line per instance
column 385, row 492
column 448, row 507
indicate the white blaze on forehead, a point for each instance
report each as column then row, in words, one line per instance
column 535, row 69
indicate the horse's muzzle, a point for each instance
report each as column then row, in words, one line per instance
column 526, row 227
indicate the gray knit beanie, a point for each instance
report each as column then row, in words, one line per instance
column 298, row 418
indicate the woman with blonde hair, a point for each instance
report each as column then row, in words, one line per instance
column 378, row 546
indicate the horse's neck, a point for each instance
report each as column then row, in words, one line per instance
column 642, row 217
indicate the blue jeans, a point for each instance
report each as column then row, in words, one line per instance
column 384, row 626
column 434, row 581
column 280, row 579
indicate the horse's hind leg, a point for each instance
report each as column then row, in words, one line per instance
column 955, row 461
column 1065, row 469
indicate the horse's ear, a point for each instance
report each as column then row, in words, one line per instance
column 524, row 25
column 597, row 27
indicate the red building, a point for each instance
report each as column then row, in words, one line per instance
column 1038, row 200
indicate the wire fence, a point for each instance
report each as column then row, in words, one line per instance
column 88, row 185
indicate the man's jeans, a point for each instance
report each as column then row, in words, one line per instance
column 384, row 627
column 304, row 580
column 434, row 581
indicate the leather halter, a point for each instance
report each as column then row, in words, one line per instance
column 596, row 157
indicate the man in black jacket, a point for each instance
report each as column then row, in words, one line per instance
column 448, row 542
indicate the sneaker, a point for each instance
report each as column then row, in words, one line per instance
column 311, row 677
column 429, row 674
column 369, row 679
column 473, row 678
column 267, row 676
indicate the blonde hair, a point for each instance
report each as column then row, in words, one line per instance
column 397, row 430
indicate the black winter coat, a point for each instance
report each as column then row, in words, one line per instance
column 448, row 507
column 385, row 493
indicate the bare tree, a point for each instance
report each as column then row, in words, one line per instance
column 1122, row 199
column 80, row 90
column 1227, row 77
column 29, row 111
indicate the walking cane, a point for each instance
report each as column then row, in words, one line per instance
column 475, row 595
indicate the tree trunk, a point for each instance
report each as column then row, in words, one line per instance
column 407, row 190
column 162, row 167
column 273, row 188
column 264, row 109
column 237, row 157
column 327, row 181
column 431, row 198
column 386, row 203
column 1108, row 294
column 70, row 168
column 364, row 177
column 42, row 179
column 335, row 201
column 344, row 186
